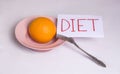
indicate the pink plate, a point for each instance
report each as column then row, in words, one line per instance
column 21, row 33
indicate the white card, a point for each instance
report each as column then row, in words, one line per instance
column 80, row 26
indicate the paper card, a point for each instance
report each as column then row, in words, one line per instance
column 80, row 26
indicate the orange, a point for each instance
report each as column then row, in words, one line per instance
column 42, row 29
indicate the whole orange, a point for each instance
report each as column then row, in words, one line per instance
column 42, row 29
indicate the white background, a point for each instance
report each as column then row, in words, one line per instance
column 65, row 59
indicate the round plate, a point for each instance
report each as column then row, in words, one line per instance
column 21, row 33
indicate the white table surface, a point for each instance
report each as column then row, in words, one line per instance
column 65, row 59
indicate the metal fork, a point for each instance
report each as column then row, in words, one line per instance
column 71, row 40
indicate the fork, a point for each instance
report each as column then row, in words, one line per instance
column 71, row 40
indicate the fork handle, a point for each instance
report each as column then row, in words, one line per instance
column 97, row 61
